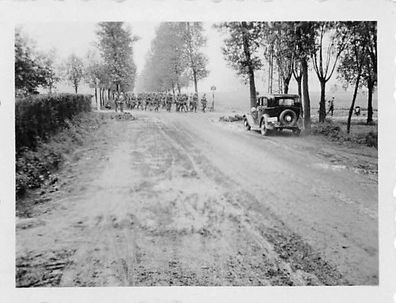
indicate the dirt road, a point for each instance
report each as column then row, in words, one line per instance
column 182, row 199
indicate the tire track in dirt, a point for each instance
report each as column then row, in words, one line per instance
column 186, row 148
column 330, row 209
column 161, row 213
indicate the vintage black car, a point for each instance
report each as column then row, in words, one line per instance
column 275, row 112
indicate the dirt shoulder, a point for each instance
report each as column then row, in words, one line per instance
column 172, row 199
column 339, row 151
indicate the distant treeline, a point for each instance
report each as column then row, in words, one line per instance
column 292, row 49
column 39, row 116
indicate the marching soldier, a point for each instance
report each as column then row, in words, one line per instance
column 147, row 102
column 194, row 102
column 163, row 100
column 178, row 102
column 156, row 101
column 204, row 102
column 139, row 102
column 184, row 99
column 133, row 101
column 169, row 100
column 119, row 102
column 331, row 106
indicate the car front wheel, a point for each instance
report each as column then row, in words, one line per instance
column 247, row 126
column 264, row 130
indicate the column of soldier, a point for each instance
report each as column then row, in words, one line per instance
column 157, row 100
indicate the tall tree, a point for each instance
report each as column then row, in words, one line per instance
column 370, row 74
column 116, row 47
column 93, row 72
column 51, row 74
column 297, row 74
column 74, row 71
column 353, row 61
column 330, row 40
column 304, row 33
column 279, row 46
column 240, row 50
column 30, row 71
column 166, row 63
column 196, row 60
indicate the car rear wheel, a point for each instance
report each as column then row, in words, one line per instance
column 288, row 117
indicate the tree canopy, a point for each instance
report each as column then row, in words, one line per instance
column 32, row 69
column 175, row 57
column 74, row 71
column 116, row 48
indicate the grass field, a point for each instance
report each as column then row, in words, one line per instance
column 239, row 101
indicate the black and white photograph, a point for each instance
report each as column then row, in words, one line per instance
column 200, row 154
column 196, row 154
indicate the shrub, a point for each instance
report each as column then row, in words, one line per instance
column 372, row 139
column 335, row 133
column 39, row 116
column 35, row 167
column 327, row 129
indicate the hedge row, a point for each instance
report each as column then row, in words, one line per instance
column 37, row 117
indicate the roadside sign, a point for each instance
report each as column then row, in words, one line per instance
column 213, row 88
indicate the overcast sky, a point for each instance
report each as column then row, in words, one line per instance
column 79, row 37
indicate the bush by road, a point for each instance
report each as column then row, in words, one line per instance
column 38, row 117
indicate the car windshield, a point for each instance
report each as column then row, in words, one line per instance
column 287, row 101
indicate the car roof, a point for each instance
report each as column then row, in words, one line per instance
column 273, row 96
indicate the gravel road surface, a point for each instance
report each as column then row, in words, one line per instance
column 183, row 199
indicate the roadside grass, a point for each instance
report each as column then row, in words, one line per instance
column 336, row 130
column 36, row 166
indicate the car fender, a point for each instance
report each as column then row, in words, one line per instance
column 249, row 119
column 264, row 119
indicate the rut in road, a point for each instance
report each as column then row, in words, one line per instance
column 160, row 213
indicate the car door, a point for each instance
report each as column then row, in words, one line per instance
column 261, row 107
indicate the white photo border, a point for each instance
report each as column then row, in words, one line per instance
column 382, row 11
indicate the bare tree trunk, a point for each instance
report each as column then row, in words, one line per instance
column 280, row 81
column 101, row 97
column 299, row 86
column 305, row 93
column 96, row 98
column 322, row 103
column 353, row 103
column 269, row 76
column 270, row 71
column 285, row 82
column 285, row 87
column 370, row 88
column 195, row 81
column 246, row 50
